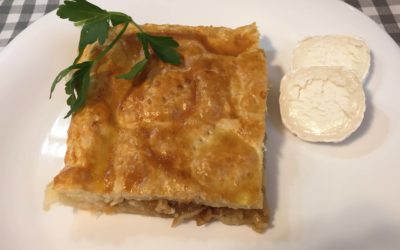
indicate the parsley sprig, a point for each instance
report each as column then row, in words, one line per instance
column 96, row 23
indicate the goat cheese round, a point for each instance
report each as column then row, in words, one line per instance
column 322, row 104
column 333, row 50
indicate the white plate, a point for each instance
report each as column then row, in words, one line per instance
column 322, row 196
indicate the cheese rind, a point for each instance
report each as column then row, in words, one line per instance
column 333, row 50
column 322, row 104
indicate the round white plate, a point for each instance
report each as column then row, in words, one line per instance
column 322, row 196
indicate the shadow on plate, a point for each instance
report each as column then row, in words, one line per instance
column 274, row 138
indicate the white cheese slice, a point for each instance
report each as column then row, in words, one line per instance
column 322, row 104
column 333, row 50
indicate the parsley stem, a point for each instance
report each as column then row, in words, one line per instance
column 130, row 19
column 137, row 26
column 105, row 51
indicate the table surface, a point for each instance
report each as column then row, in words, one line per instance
column 16, row 15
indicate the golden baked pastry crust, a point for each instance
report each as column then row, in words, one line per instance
column 189, row 134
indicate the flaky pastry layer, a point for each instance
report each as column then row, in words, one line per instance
column 187, row 136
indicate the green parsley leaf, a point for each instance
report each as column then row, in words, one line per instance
column 77, row 86
column 118, row 18
column 142, row 39
column 94, row 31
column 63, row 74
column 135, row 70
column 80, row 82
column 79, row 10
column 162, row 41
column 163, row 46
column 96, row 23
